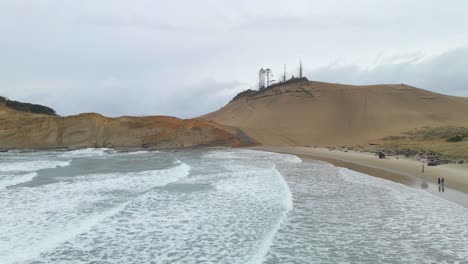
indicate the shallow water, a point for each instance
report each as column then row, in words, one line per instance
column 215, row 206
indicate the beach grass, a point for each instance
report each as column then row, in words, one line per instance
column 449, row 142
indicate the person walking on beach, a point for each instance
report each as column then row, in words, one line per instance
column 438, row 180
column 442, row 181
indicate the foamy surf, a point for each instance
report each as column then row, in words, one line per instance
column 30, row 166
column 48, row 220
column 51, row 241
column 258, row 155
column 86, row 152
column 219, row 206
column 139, row 152
column 346, row 216
column 267, row 241
column 14, row 179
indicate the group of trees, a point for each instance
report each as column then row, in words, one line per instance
column 265, row 76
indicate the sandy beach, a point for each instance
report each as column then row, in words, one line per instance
column 398, row 169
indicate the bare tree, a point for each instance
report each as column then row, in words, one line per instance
column 261, row 79
column 283, row 78
column 268, row 75
column 300, row 69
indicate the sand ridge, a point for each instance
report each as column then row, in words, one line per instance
column 326, row 114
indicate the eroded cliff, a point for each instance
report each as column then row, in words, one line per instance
column 27, row 130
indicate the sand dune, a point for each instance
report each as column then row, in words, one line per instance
column 324, row 114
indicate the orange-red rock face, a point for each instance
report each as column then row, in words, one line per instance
column 26, row 130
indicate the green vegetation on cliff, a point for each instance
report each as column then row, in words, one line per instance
column 27, row 107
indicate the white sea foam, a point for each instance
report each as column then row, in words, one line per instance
column 267, row 241
column 139, row 152
column 14, row 179
column 361, row 178
column 228, row 216
column 30, row 166
column 224, row 206
column 254, row 155
column 51, row 240
column 133, row 180
column 86, row 152
column 55, row 213
column 342, row 216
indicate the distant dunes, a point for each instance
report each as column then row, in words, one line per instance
column 325, row 114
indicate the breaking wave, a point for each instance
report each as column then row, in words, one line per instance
column 14, row 179
column 30, row 166
column 86, row 152
column 55, row 213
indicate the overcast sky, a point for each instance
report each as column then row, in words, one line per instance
column 187, row 58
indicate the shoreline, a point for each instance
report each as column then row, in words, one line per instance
column 399, row 170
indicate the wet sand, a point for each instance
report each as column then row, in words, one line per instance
column 401, row 170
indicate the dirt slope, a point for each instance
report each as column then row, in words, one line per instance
column 325, row 114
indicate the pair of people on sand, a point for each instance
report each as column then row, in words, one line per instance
column 441, row 180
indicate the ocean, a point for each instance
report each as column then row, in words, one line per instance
column 215, row 206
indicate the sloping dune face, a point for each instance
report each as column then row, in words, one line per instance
column 325, row 114
column 26, row 130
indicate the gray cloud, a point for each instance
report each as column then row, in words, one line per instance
column 130, row 21
column 445, row 73
column 187, row 58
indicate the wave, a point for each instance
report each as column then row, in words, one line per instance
column 139, row 152
column 361, row 178
column 99, row 152
column 12, row 179
column 51, row 241
column 86, row 152
column 267, row 241
column 240, row 201
column 90, row 199
column 129, row 180
column 258, row 155
column 30, row 166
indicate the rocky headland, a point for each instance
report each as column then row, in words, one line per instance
column 34, row 126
